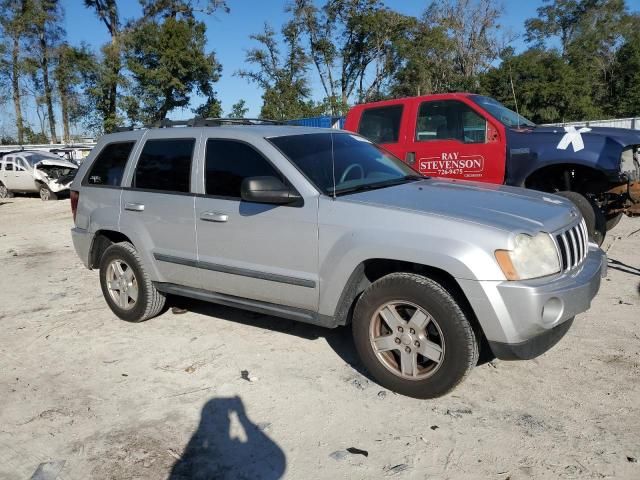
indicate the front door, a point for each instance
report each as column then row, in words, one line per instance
column 454, row 140
column 262, row 252
column 157, row 210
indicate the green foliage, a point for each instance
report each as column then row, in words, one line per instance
column 239, row 109
column 167, row 61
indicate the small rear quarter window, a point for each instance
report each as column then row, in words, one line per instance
column 108, row 167
column 381, row 124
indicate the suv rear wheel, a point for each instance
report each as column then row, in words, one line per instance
column 126, row 287
column 412, row 336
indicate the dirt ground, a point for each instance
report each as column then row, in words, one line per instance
column 84, row 395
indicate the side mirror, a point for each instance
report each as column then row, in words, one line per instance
column 268, row 190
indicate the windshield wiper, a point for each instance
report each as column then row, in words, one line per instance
column 374, row 186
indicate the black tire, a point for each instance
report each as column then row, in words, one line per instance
column 458, row 340
column 46, row 194
column 5, row 192
column 593, row 216
column 150, row 302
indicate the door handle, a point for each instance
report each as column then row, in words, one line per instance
column 134, row 207
column 214, row 217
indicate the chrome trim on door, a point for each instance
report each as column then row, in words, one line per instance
column 134, row 207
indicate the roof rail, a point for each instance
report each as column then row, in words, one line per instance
column 203, row 122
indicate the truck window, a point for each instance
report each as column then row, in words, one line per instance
column 9, row 166
column 109, row 166
column 228, row 163
column 165, row 165
column 450, row 120
column 382, row 124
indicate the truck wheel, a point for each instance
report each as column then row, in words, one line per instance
column 4, row 192
column 412, row 336
column 592, row 214
column 126, row 287
column 46, row 194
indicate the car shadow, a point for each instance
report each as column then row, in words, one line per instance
column 623, row 267
column 228, row 445
column 339, row 338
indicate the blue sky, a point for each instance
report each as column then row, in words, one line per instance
column 228, row 35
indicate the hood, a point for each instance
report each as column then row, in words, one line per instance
column 623, row 136
column 52, row 162
column 506, row 208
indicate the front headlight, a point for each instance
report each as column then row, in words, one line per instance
column 531, row 257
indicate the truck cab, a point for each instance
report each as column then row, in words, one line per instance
column 466, row 136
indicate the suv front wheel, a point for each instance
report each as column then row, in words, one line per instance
column 126, row 287
column 412, row 336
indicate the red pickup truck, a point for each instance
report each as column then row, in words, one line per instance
column 473, row 137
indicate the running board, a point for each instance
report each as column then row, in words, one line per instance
column 291, row 313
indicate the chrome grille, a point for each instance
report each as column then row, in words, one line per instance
column 573, row 245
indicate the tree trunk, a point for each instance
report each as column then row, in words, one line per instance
column 64, row 106
column 15, row 85
column 47, row 87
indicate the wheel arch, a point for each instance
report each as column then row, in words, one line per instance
column 568, row 176
column 102, row 240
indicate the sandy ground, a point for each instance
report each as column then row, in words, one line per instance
column 91, row 396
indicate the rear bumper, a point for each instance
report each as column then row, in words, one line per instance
column 82, row 240
column 523, row 319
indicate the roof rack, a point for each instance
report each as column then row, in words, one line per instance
column 203, row 122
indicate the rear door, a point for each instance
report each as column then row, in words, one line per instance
column 157, row 209
column 454, row 140
column 24, row 179
column 383, row 125
column 250, row 250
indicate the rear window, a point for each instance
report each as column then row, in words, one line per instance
column 108, row 168
column 165, row 165
column 381, row 125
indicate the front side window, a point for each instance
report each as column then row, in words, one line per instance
column 382, row 124
column 450, row 120
column 165, row 165
column 352, row 161
column 108, row 167
column 228, row 163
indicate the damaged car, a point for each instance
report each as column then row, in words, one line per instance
column 36, row 172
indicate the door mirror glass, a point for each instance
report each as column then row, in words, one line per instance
column 268, row 190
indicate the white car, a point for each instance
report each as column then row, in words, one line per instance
column 31, row 172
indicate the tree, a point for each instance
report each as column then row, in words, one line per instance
column 47, row 18
column 74, row 65
column 239, row 109
column 625, row 88
column 165, row 54
column 282, row 77
column 15, row 22
column 104, row 86
column 347, row 39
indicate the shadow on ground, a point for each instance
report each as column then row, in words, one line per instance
column 227, row 445
column 339, row 339
column 623, row 267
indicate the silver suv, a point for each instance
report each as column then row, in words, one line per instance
column 324, row 227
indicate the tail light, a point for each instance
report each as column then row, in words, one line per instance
column 75, row 196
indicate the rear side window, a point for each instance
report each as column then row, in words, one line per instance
column 165, row 165
column 381, row 125
column 9, row 165
column 108, row 168
column 228, row 163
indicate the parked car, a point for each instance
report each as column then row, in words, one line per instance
column 473, row 137
column 324, row 227
column 35, row 172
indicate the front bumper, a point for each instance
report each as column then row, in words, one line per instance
column 523, row 319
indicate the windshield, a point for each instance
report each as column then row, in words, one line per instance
column 359, row 164
column 34, row 158
column 508, row 117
